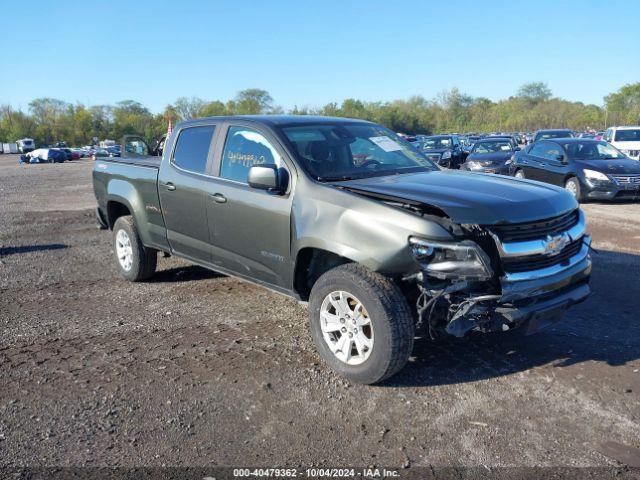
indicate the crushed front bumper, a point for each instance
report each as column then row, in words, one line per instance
column 533, row 299
column 540, row 298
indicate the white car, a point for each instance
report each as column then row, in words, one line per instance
column 625, row 139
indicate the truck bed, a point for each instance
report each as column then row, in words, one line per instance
column 153, row 162
column 133, row 183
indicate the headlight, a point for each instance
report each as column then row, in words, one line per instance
column 597, row 176
column 473, row 165
column 463, row 260
column 446, row 155
column 510, row 161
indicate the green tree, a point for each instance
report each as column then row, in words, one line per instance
column 623, row 106
column 252, row 101
column 534, row 92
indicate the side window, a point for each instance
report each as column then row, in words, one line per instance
column 538, row 149
column 243, row 149
column 608, row 135
column 552, row 151
column 192, row 148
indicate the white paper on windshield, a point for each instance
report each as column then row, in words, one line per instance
column 386, row 143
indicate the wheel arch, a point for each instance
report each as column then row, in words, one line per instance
column 310, row 264
column 116, row 208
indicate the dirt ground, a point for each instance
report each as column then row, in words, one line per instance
column 197, row 369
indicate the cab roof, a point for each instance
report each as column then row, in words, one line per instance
column 280, row 120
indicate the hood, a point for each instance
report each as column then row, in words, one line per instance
column 472, row 198
column 497, row 157
column 613, row 167
column 626, row 144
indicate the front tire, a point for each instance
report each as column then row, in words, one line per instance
column 135, row 262
column 572, row 185
column 361, row 323
column 519, row 174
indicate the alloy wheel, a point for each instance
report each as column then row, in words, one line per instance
column 346, row 327
column 124, row 250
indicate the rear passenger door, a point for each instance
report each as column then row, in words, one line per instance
column 182, row 187
column 554, row 170
column 250, row 229
column 534, row 161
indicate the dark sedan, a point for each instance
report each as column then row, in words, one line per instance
column 589, row 169
column 490, row 155
column 445, row 150
column 548, row 134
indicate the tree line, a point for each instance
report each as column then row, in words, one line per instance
column 48, row 120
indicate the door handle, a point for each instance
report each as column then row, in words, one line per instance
column 219, row 198
column 543, row 164
column 170, row 186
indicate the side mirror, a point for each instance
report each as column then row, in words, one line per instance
column 264, row 177
column 561, row 158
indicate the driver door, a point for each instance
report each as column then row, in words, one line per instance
column 250, row 229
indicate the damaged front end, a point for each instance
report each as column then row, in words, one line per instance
column 496, row 278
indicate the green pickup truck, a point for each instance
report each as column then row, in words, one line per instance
column 349, row 217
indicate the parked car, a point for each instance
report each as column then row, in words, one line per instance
column 490, row 155
column 625, row 139
column 81, row 152
column 100, row 152
column 377, row 247
column 47, row 155
column 56, row 155
column 510, row 138
column 445, row 150
column 26, row 145
column 71, row 155
column 589, row 169
column 546, row 134
column 114, row 151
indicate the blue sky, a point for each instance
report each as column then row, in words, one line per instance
column 308, row 53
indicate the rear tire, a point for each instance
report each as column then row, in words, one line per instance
column 135, row 262
column 378, row 329
column 572, row 185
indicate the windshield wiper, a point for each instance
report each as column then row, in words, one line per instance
column 335, row 179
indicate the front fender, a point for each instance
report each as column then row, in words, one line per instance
column 360, row 229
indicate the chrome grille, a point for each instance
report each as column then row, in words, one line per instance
column 536, row 262
column 631, row 179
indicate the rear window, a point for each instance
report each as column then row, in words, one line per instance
column 627, row 136
column 192, row 148
column 555, row 134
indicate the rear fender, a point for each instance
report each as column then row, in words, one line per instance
column 125, row 193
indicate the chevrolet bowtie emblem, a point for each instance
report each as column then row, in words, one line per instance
column 554, row 245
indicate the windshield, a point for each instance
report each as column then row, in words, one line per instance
column 592, row 151
column 436, row 143
column 491, row 147
column 559, row 134
column 332, row 152
column 627, row 136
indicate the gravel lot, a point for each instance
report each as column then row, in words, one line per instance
column 197, row 369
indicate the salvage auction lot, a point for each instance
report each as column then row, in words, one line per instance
column 192, row 368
